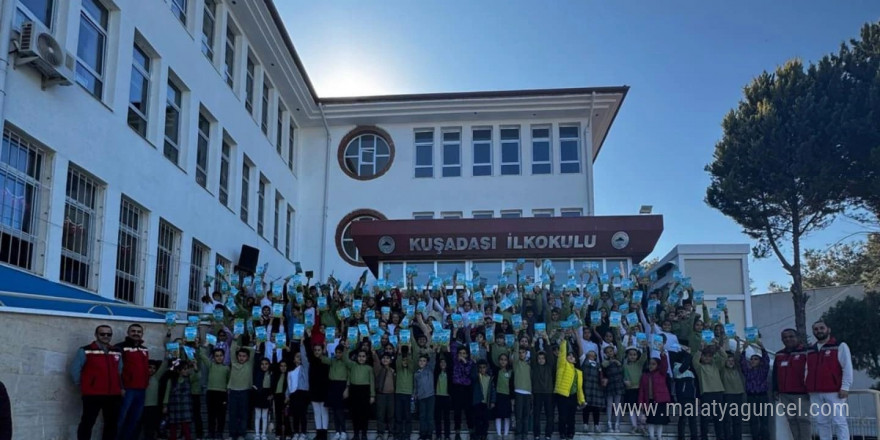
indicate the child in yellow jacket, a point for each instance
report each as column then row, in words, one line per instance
column 569, row 390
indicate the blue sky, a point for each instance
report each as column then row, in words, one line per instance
column 686, row 64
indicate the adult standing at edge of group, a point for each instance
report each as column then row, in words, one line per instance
column 789, row 365
column 96, row 370
column 829, row 376
column 135, row 379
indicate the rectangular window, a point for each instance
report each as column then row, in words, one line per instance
column 39, row 10
column 451, row 153
column 221, row 261
column 139, row 92
column 424, row 142
column 569, row 149
column 511, row 213
column 167, row 265
column 288, row 235
column 571, row 212
column 510, row 151
column 249, row 85
column 276, row 225
column 245, row 188
column 542, row 213
column 279, row 129
column 225, row 152
column 91, row 47
column 79, row 238
column 22, row 196
column 450, row 214
column 198, row 268
column 172, row 123
column 541, row 150
column 208, row 22
column 179, row 9
column 229, row 57
column 483, row 214
column 202, row 150
column 130, row 252
column 423, row 215
column 290, row 143
column 482, row 143
column 261, row 203
column 264, row 119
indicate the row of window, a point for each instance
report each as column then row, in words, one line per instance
column 450, row 144
column 492, row 269
column 24, row 198
column 504, row 213
column 91, row 73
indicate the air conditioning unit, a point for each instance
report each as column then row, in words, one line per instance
column 38, row 48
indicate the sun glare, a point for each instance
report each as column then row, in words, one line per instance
column 355, row 78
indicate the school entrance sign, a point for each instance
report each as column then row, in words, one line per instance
column 499, row 238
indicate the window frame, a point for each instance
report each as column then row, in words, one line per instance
column 510, row 213
column 345, row 157
column 577, row 140
column 262, row 185
column 146, row 75
column 199, row 254
column 543, row 213
column 417, row 144
column 291, row 145
column 265, row 108
column 475, row 143
column 250, row 83
column 229, row 54
column 203, row 148
column 344, row 226
column 208, row 40
column 102, row 29
column 549, row 145
column 276, row 226
column 225, row 166
column 180, row 11
column 515, row 142
column 279, row 128
column 94, row 213
column 288, row 235
column 444, row 144
column 451, row 215
column 172, row 253
column 178, row 109
column 423, row 215
column 244, row 211
column 482, row 214
column 24, row 13
column 571, row 212
column 129, row 237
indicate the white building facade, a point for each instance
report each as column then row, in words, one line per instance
column 189, row 128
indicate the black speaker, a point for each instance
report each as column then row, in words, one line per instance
column 247, row 260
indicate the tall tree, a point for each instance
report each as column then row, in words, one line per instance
column 777, row 171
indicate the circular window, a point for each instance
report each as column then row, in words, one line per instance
column 366, row 153
column 345, row 242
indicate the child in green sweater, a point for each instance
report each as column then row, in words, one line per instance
column 241, row 377
column 734, row 392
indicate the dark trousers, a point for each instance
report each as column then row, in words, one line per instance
column 706, row 400
column 282, row 423
column 184, row 430
column 239, row 402
column 462, row 395
column 298, row 403
column 481, row 420
column 522, row 404
column 216, row 401
column 384, row 413
column 687, row 420
column 197, row 414
column 426, row 417
column 92, row 406
column 359, row 399
column 591, row 411
column 402, row 416
column 441, row 416
column 543, row 404
column 150, row 420
column 567, row 406
column 759, row 424
column 130, row 414
column 337, row 404
column 732, row 424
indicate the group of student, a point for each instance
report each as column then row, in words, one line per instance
column 454, row 355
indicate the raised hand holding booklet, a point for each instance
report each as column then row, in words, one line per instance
column 632, row 319
column 352, row 335
column 256, row 312
column 721, row 302
column 218, row 314
column 280, row 340
column 190, row 333
column 698, row 297
column 637, row 296
column 595, row 317
column 405, row 336
column 641, row 338
column 657, row 341
column 170, row 319
column 540, row 327
column 707, row 336
column 299, row 331
column 752, row 334
column 211, row 339
column 238, row 327
column 615, row 319
column 190, row 352
column 730, row 330
column 261, row 333
column 330, row 333
column 277, row 310
column 193, row 320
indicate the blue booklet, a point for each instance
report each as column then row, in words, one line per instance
column 357, row 305
column 509, row 340
column 595, row 317
column 309, row 319
column 211, row 339
column 730, row 330
column 475, row 348
column 170, row 319
column 193, row 320
column 657, row 341
column 641, row 338
column 637, row 296
column 238, row 327
column 707, row 336
column 352, row 335
column 280, row 340
column 516, row 321
column 698, row 297
column 278, row 310
column 190, row 333
column 632, row 319
column 330, row 333
column 498, row 318
column 218, row 314
column 261, row 334
column 322, row 302
column 256, row 312
column 393, row 340
column 190, row 352
column 457, row 319
column 363, row 330
column 540, row 327
column 615, row 319
column 490, row 333
column 299, row 331
column 721, row 302
column 752, row 334
column 405, row 336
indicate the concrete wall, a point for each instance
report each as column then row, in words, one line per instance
column 774, row 312
column 34, row 362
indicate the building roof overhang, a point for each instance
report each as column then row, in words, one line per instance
column 492, row 239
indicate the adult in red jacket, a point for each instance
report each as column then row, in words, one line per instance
column 788, row 384
column 96, row 370
column 829, row 376
column 135, row 378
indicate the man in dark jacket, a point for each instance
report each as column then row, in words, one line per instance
column 135, row 379
column 96, row 370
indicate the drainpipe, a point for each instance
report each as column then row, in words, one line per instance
column 6, row 14
column 326, row 191
column 588, row 146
